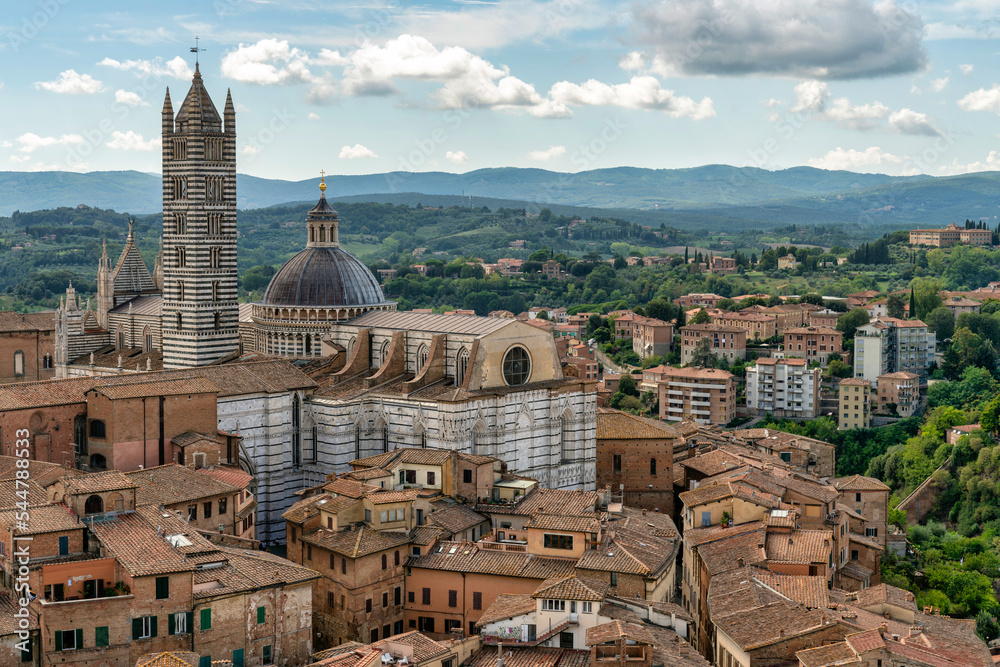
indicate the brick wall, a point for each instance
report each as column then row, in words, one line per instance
column 636, row 473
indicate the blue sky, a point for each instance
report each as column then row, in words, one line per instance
column 366, row 86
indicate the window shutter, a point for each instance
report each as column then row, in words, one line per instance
column 79, row 637
column 58, row 640
column 205, row 661
column 189, row 626
column 101, row 636
column 260, row 615
column 206, row 619
column 136, row 628
column 152, row 626
column 171, row 625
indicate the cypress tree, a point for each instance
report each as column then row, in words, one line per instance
column 913, row 305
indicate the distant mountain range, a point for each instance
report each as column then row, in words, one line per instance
column 798, row 195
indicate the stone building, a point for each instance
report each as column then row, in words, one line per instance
column 813, row 343
column 951, row 235
column 27, row 346
column 635, row 459
column 729, row 343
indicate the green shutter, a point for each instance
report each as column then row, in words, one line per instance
column 27, row 655
column 79, row 637
column 136, row 628
column 260, row 615
column 190, row 621
column 162, row 588
column 171, row 625
column 267, row 654
column 58, row 640
column 205, row 661
column 102, row 636
column 152, row 626
column 206, row 619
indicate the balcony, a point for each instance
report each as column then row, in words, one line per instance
column 531, row 641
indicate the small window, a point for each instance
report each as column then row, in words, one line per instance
column 343, row 566
column 652, row 467
column 261, row 613
column 557, row 541
column 854, row 554
column 857, row 496
column 162, row 588
column 385, row 562
column 368, row 606
column 385, row 600
column 452, row 598
column 101, row 636
column 97, row 429
column 63, row 545
column 192, row 512
column 614, row 578
column 266, row 654
column 616, row 463
column 786, row 457
column 207, row 509
column 467, row 476
column 477, row 600
column 426, row 599
column 430, row 478
column 395, row 558
column 206, row 619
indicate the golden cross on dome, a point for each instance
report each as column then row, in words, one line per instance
column 322, row 173
column 322, row 180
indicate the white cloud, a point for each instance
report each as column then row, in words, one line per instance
column 176, row 67
column 908, row 121
column 937, row 85
column 982, row 100
column 853, row 160
column 992, row 164
column 458, row 157
column 813, row 97
column 17, row 159
column 641, row 92
column 30, row 142
column 821, row 39
column 267, row 62
column 550, row 153
column 131, row 141
column 5, row 144
column 129, row 98
column 966, row 69
column 313, row 116
column 70, row 82
column 356, row 151
column 251, row 150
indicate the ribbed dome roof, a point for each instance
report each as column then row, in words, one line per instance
column 323, row 277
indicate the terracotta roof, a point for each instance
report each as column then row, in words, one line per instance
column 230, row 475
column 699, row 535
column 708, row 326
column 617, row 630
column 98, row 482
column 800, row 546
column 168, row 659
column 536, row 656
column 469, row 557
column 859, row 483
column 410, row 321
column 387, row 497
column 12, row 492
column 572, row 588
column 9, row 623
column 826, row 656
column 47, row 393
column 424, row 648
column 727, row 554
column 698, row 373
column 637, row 543
column 808, row 591
column 899, row 375
column 188, row 438
column 575, row 524
column 454, row 517
column 507, row 606
column 855, row 570
column 158, row 387
column 557, row 501
column 424, row 535
column 356, row 543
column 617, row 425
column 868, row 640
column 713, row 462
column 777, row 621
column 886, row 594
column 417, row 455
column 138, row 547
column 349, row 487
column 42, row 519
column 860, row 382
column 302, row 510
column 171, row 484
column 366, row 474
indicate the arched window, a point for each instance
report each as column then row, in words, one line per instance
column 94, row 505
column 180, row 290
column 461, row 364
column 121, row 338
column 516, row 366
column 98, row 462
column 116, row 502
column 357, row 441
column 296, row 436
column 147, row 340
column 564, row 439
column 215, row 290
column 421, row 357
column 385, row 562
column 47, row 361
column 383, row 355
column 180, row 321
column 480, row 442
column 309, row 347
column 97, row 429
column 396, row 558
column 652, row 466
column 350, row 345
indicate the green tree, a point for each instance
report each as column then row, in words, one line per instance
column 660, row 309
column 627, row 386
column 926, row 295
column 895, row 305
column 702, row 317
column 942, row 322
column 703, row 355
column 850, row 321
column 990, row 417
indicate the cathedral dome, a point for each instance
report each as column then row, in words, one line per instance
column 326, row 276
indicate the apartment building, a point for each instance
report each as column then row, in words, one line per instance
column 652, row 337
column 786, row 315
column 702, row 300
column 854, row 404
column 757, row 325
column 959, row 304
column 706, row 395
column 900, row 389
column 723, row 266
column 729, row 343
column 813, row 343
column 824, row 318
column 889, row 345
column 951, row 235
column 784, row 388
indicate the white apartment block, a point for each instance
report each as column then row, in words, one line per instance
column 889, row 345
column 784, row 388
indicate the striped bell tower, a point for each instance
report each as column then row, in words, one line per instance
column 200, row 310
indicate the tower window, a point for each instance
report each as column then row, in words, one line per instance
column 180, row 291
column 214, row 224
column 215, row 257
column 179, row 322
column 215, row 290
column 218, row 321
column 181, row 219
column 182, row 257
column 180, row 149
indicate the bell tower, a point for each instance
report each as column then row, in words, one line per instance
column 198, row 260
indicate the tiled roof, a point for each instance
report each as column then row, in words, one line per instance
column 617, row 425
column 708, row 326
column 698, row 373
column 11, row 321
column 421, row 536
column 855, row 571
column 869, row 640
column 814, row 330
column 617, row 630
column 387, row 497
column 860, row 382
column 699, row 535
column 572, row 588
column 777, row 621
column 42, row 472
column 869, row 542
column 557, row 501
column 235, row 477
column 157, row 387
column 46, row 393
column 808, row 591
column 536, row 656
column 469, row 557
column 886, row 594
column 455, row 517
column 899, row 375
column 349, row 487
column 168, row 659
column 507, row 606
column 416, row 455
column 98, row 482
column 188, row 438
column 637, row 543
column 733, row 552
column 365, row 474
column 575, row 524
column 800, row 546
column 713, row 462
column 302, row 510
column 410, row 321
column 356, row 543
column 859, row 483
column 42, row 519
column 138, row 547
column 424, row 648
column 827, row 656
column 171, row 484
column 10, row 488
column 9, row 623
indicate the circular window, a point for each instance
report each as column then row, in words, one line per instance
column 516, row 366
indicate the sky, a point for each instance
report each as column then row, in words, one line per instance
column 365, row 86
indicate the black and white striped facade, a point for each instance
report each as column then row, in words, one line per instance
column 200, row 309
